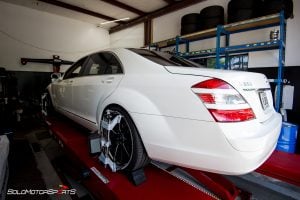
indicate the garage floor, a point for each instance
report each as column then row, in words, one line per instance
column 34, row 153
column 32, row 157
column 24, row 173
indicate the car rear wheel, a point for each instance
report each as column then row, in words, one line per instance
column 121, row 145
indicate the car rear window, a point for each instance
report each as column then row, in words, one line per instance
column 164, row 58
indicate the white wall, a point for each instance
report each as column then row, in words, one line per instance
column 132, row 37
column 26, row 32
column 292, row 38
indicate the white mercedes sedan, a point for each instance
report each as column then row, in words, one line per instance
column 153, row 105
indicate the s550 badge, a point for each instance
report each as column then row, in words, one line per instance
column 249, row 89
column 245, row 84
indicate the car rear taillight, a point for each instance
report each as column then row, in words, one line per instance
column 223, row 101
column 238, row 115
column 213, row 84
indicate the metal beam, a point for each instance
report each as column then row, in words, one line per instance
column 169, row 1
column 124, row 6
column 80, row 10
column 165, row 10
column 148, row 32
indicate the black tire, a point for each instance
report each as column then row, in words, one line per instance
column 258, row 10
column 275, row 6
column 230, row 12
column 255, row 5
column 192, row 18
column 245, row 4
column 189, row 28
column 211, row 23
column 132, row 154
column 240, row 15
column 212, row 12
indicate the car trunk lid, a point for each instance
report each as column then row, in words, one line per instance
column 254, row 87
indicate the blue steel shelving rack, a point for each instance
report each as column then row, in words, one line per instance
column 225, row 31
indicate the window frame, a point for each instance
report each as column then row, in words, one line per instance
column 87, row 69
column 149, row 55
column 74, row 67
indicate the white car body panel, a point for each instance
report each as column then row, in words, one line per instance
column 62, row 94
column 210, row 149
column 174, row 125
column 90, row 91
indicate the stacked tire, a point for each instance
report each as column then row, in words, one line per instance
column 275, row 6
column 239, row 10
column 211, row 17
column 190, row 23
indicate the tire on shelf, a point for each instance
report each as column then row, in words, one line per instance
column 211, row 23
column 126, row 148
column 275, row 6
column 192, row 18
column 212, row 12
column 258, row 10
column 240, row 15
column 238, row 9
column 245, row 4
column 189, row 28
column 230, row 12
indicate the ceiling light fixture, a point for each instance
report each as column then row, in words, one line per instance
column 108, row 22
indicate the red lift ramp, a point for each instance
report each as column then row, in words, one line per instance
column 162, row 183
column 283, row 166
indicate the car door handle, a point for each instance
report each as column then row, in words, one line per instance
column 109, row 79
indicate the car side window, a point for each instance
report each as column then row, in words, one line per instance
column 75, row 70
column 103, row 63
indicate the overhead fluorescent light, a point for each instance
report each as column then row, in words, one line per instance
column 117, row 20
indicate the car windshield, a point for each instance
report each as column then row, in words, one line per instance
column 165, row 59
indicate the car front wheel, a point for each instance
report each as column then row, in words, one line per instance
column 47, row 106
column 121, row 145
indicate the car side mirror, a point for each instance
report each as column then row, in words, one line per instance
column 56, row 77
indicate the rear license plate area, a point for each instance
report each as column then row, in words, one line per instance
column 263, row 100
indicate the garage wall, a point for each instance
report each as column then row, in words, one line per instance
column 26, row 32
column 293, row 41
column 132, row 37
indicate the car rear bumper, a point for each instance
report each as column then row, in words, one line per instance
column 253, row 136
column 232, row 148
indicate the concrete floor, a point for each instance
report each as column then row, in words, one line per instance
column 32, row 164
column 50, row 150
column 50, row 177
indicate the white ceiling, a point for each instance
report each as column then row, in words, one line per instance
column 97, row 6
